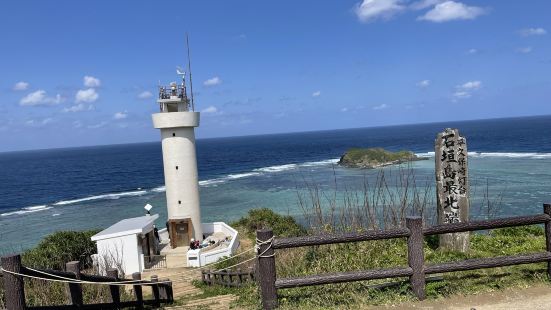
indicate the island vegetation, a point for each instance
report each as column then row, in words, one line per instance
column 370, row 158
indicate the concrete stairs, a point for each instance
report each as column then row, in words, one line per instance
column 181, row 278
column 183, row 288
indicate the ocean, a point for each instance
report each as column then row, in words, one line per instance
column 44, row 191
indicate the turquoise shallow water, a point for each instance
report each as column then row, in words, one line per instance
column 521, row 184
column 94, row 187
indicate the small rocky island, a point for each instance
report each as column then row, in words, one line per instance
column 370, row 158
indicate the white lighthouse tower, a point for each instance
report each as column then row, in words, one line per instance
column 177, row 121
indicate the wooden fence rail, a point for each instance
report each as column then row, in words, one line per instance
column 14, row 288
column 416, row 270
column 227, row 277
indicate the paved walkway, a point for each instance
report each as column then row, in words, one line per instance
column 533, row 298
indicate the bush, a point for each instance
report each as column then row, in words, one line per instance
column 61, row 247
column 282, row 225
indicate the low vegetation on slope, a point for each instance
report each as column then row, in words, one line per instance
column 392, row 253
column 53, row 252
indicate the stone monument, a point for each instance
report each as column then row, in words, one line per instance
column 452, row 186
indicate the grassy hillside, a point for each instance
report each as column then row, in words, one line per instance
column 393, row 253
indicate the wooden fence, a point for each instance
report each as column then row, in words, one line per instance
column 155, row 262
column 14, row 288
column 417, row 269
column 227, row 277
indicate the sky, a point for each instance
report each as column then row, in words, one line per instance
column 75, row 73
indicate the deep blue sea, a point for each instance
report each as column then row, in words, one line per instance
column 92, row 187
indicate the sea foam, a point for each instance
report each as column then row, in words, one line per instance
column 498, row 154
column 31, row 209
column 104, row 196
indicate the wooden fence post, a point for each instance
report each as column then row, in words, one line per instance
column 239, row 277
column 14, row 287
column 115, row 292
column 138, row 292
column 74, row 289
column 416, row 256
column 267, row 269
column 155, row 290
column 209, row 280
column 229, row 279
column 163, row 291
column 547, row 210
column 170, row 292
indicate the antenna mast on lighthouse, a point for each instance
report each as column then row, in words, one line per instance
column 189, row 69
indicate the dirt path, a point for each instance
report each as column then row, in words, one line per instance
column 533, row 298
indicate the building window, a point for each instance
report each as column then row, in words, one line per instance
column 174, row 134
column 179, row 202
column 176, row 167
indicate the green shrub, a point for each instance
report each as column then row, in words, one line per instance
column 61, row 247
column 282, row 225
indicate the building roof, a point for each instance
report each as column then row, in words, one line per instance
column 130, row 226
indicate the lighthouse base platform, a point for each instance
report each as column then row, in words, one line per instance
column 221, row 240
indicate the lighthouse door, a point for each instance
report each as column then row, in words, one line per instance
column 182, row 234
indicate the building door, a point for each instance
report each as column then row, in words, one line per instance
column 182, row 234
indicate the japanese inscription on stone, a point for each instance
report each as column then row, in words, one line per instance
column 452, row 183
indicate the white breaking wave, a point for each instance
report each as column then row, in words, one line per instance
column 498, row 154
column 159, row 189
column 511, row 155
column 320, row 163
column 427, row 154
column 27, row 210
column 265, row 170
column 104, row 196
column 278, row 168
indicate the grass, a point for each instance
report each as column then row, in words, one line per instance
column 52, row 253
column 393, row 253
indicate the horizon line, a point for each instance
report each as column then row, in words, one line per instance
column 276, row 133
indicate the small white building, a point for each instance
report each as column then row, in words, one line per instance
column 126, row 244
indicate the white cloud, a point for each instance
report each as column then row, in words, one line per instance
column 76, row 108
column 21, row 86
column 344, row 110
column 461, row 94
column 211, row 109
column 423, row 83
column 471, row 85
column 524, row 50
column 423, row 4
column 90, row 81
column 120, row 115
column 39, row 97
column 98, row 125
column 451, row 10
column 466, row 89
column 532, row 32
column 472, row 51
column 316, row 93
column 212, row 81
column 39, row 123
column 145, row 95
column 77, row 124
column 370, row 10
column 381, row 107
column 86, row 95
